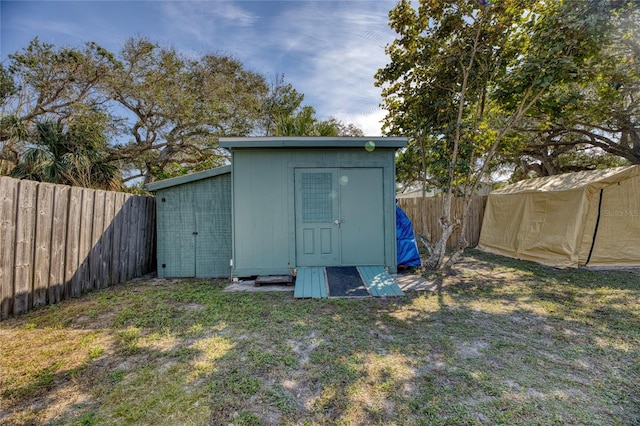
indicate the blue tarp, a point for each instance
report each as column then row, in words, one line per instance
column 407, row 248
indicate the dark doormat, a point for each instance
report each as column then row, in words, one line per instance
column 345, row 281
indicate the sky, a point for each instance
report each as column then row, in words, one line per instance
column 328, row 50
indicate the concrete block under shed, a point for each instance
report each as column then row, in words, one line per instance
column 273, row 279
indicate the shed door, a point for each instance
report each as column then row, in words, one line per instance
column 176, row 241
column 194, row 229
column 339, row 216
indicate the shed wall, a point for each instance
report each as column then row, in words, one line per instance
column 264, row 210
column 194, row 228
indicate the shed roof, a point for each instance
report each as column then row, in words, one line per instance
column 181, row 180
column 311, row 142
column 572, row 181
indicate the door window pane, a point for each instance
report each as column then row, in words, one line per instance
column 317, row 200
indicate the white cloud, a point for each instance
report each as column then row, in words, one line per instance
column 370, row 123
column 205, row 21
column 342, row 48
column 230, row 12
column 329, row 51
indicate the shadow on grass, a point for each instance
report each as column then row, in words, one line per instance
column 622, row 279
column 494, row 344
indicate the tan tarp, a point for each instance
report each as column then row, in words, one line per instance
column 586, row 218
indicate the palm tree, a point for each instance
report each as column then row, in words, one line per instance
column 75, row 155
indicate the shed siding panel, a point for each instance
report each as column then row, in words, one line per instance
column 194, row 228
column 175, row 227
column 260, row 209
column 213, row 221
column 168, row 202
column 264, row 211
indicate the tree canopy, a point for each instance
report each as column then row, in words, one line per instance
column 465, row 68
column 464, row 76
column 69, row 155
column 179, row 107
column 591, row 121
column 156, row 112
column 44, row 83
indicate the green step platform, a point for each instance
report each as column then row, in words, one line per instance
column 311, row 282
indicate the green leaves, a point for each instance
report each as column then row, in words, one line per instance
column 56, row 85
column 73, row 155
column 590, row 109
column 163, row 112
column 467, row 75
column 463, row 78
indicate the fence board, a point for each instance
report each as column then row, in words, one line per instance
column 95, row 249
column 124, row 243
column 8, row 211
column 425, row 216
column 24, row 246
column 107, row 240
column 117, row 232
column 72, row 278
column 133, row 261
column 151, row 239
column 86, row 235
column 42, row 255
column 143, row 229
column 58, row 238
column 143, row 233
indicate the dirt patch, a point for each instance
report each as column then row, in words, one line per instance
column 471, row 349
column 304, row 347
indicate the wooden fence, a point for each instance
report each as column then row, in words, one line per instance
column 57, row 242
column 426, row 212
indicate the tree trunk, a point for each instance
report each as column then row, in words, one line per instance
column 462, row 241
column 434, row 261
column 425, row 241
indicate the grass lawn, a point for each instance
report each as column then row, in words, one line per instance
column 499, row 342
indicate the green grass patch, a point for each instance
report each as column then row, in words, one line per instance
column 500, row 342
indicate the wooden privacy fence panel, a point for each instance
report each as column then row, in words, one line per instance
column 425, row 214
column 57, row 242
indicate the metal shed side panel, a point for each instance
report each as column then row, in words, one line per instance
column 194, row 228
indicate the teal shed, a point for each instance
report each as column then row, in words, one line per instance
column 312, row 201
column 193, row 218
